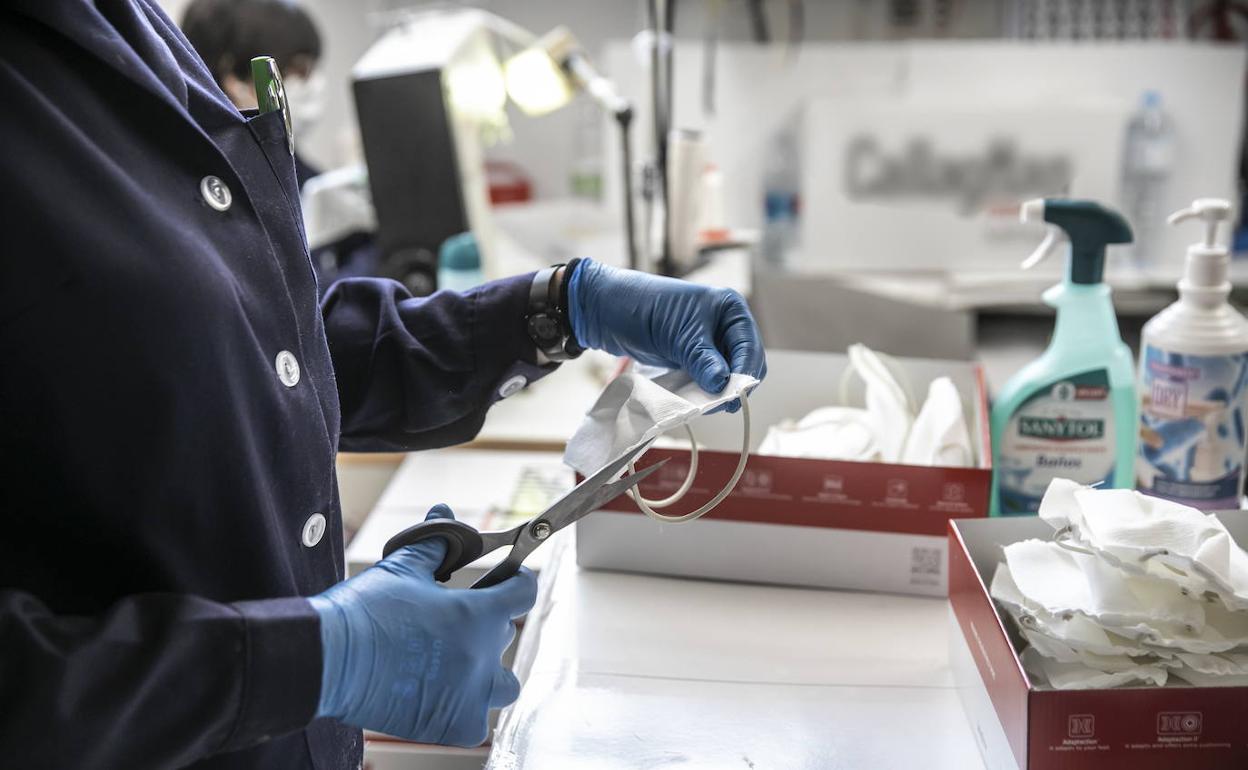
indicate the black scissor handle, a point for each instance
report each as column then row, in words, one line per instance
column 463, row 543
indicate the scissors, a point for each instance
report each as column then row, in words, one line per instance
column 464, row 544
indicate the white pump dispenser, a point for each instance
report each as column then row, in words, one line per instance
column 1194, row 380
column 1205, row 274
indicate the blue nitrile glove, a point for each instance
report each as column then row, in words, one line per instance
column 408, row 657
column 666, row 322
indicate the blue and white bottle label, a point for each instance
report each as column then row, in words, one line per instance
column 1192, row 436
column 1064, row 430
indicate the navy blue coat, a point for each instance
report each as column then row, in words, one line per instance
column 171, row 402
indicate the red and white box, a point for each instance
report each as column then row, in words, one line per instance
column 1019, row 725
column 790, row 521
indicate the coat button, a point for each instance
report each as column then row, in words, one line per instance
column 512, row 385
column 313, row 530
column 287, row 368
column 215, row 193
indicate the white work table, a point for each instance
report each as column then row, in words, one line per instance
column 631, row 671
column 628, row 671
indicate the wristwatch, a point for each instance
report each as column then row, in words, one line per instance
column 548, row 322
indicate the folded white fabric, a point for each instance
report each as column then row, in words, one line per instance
column 1078, row 676
column 1075, row 631
column 1132, row 589
column 886, row 430
column 1148, row 535
column 888, row 409
column 1060, row 581
column 828, row 433
column 634, row 409
column 939, row 436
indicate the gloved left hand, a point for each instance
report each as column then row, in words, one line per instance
column 666, row 322
column 408, row 657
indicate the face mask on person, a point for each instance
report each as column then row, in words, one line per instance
column 306, row 99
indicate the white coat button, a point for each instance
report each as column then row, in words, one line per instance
column 287, row 368
column 512, row 386
column 313, row 530
column 215, row 193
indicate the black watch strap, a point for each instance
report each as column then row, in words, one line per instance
column 547, row 321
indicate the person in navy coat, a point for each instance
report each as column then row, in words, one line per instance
column 172, row 397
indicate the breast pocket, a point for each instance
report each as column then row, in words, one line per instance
column 269, row 130
column 284, row 223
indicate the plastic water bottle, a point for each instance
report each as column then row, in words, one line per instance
column 781, row 199
column 459, row 263
column 1148, row 158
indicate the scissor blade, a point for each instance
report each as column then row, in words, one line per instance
column 570, row 509
column 608, row 492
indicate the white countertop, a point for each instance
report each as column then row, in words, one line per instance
column 637, row 671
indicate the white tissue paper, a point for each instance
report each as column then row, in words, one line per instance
column 886, row 430
column 1139, row 588
column 634, row 409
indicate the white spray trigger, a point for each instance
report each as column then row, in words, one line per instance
column 1033, row 211
column 1052, row 239
column 1210, row 210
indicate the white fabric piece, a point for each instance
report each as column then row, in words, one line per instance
column 886, row 430
column 1061, row 581
column 939, row 436
column 1230, row 664
column 1204, row 679
column 634, row 409
column 1062, row 652
column 1148, row 535
column 888, row 409
column 1078, row 676
column 828, row 433
column 1076, row 631
column 1224, row 630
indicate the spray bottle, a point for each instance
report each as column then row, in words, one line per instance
column 1194, row 380
column 1071, row 412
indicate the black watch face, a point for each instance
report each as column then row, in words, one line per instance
column 544, row 329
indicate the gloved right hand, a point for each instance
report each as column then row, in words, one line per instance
column 408, row 657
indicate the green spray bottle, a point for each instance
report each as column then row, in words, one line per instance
column 1071, row 412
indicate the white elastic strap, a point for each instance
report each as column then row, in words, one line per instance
column 648, row 506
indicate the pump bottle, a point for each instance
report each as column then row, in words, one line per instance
column 1194, row 380
column 1071, row 412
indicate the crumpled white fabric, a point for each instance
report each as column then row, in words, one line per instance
column 939, row 436
column 634, row 409
column 828, row 433
column 1076, row 631
column 1060, row 581
column 888, row 409
column 886, row 430
column 1078, row 676
column 1148, row 535
column 1097, row 612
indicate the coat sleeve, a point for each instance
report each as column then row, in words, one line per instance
column 187, row 677
column 417, row 373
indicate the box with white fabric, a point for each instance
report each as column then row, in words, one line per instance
column 1071, row 652
column 797, row 517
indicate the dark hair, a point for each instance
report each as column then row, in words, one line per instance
column 228, row 33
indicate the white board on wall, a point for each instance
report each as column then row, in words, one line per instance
column 916, row 84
